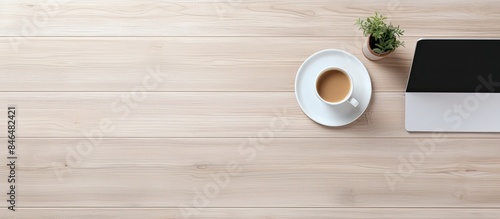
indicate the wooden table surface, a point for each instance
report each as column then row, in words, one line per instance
column 186, row 109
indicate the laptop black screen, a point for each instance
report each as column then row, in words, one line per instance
column 455, row 66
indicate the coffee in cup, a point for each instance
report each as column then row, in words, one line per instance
column 334, row 87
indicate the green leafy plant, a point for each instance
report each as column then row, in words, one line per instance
column 383, row 37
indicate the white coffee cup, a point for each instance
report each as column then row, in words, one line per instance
column 348, row 97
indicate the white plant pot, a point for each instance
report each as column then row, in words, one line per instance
column 370, row 54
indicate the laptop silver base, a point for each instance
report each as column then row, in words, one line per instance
column 452, row 112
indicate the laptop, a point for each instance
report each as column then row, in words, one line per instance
column 454, row 86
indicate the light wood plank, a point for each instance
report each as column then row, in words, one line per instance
column 263, row 213
column 324, row 172
column 230, row 50
column 244, row 17
column 195, row 114
column 185, row 63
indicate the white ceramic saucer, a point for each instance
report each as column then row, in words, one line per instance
column 319, row 111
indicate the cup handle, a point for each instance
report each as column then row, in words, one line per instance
column 353, row 102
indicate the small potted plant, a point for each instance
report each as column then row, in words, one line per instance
column 382, row 39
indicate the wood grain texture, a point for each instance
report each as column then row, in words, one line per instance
column 262, row 213
column 191, row 86
column 196, row 114
column 185, row 63
column 323, row 172
column 243, row 17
